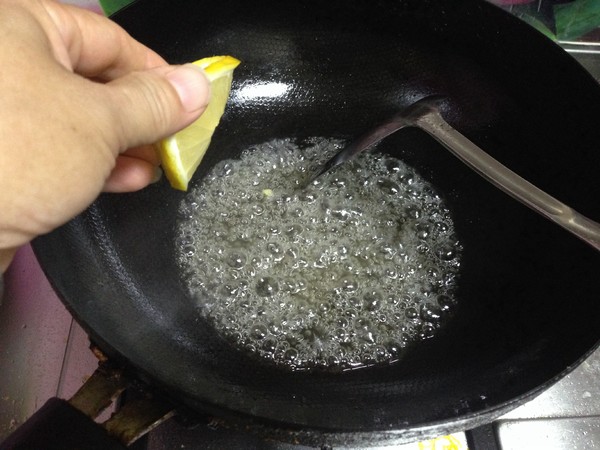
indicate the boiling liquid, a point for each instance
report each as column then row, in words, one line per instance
column 343, row 274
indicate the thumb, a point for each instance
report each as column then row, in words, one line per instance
column 149, row 105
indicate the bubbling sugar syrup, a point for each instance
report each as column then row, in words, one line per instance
column 343, row 274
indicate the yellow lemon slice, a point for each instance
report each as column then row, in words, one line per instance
column 181, row 153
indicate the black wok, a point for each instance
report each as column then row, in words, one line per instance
column 528, row 291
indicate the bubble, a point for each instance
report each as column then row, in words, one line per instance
column 341, row 214
column 259, row 331
column 292, row 253
column 372, row 301
column 441, row 227
column 367, row 336
column 291, row 354
column 388, row 186
column 269, row 345
column 324, row 307
column 445, row 302
column 229, row 290
column 391, row 273
column 308, row 197
column 275, row 328
column 339, row 183
column 300, row 263
column 189, row 250
column 362, row 322
column 350, row 312
column 342, row 322
column 344, row 274
column 422, row 230
column 276, row 250
column 423, row 248
column 294, row 230
column 236, row 260
column 447, row 252
column 256, row 262
column 407, row 178
column 393, row 348
column 412, row 212
column 427, row 330
column 333, row 361
column 349, row 285
column 431, row 312
column 393, row 165
column 185, row 240
column 355, row 302
column 340, row 334
column 411, row 313
column 266, row 287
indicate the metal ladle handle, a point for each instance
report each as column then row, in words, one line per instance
column 505, row 179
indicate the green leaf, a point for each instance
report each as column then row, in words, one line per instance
column 112, row 6
column 577, row 18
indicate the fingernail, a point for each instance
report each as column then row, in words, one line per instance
column 191, row 85
column 158, row 173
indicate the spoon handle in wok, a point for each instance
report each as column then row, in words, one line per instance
column 508, row 181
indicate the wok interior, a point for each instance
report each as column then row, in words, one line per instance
column 527, row 291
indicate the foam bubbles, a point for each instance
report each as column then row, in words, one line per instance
column 343, row 274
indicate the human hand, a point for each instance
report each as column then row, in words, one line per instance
column 80, row 101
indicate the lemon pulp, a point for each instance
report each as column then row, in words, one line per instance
column 181, row 153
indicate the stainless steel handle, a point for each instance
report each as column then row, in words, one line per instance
column 507, row 180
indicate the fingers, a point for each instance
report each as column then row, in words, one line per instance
column 134, row 170
column 145, row 152
column 147, row 106
column 131, row 174
column 94, row 46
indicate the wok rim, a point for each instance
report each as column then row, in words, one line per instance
column 431, row 429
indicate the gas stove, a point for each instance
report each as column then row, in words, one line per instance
column 44, row 353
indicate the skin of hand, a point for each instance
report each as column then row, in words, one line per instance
column 80, row 103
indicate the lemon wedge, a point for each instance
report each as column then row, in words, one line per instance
column 181, row 153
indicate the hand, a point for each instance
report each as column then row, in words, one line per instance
column 80, row 101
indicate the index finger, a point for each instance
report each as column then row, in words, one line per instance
column 96, row 46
